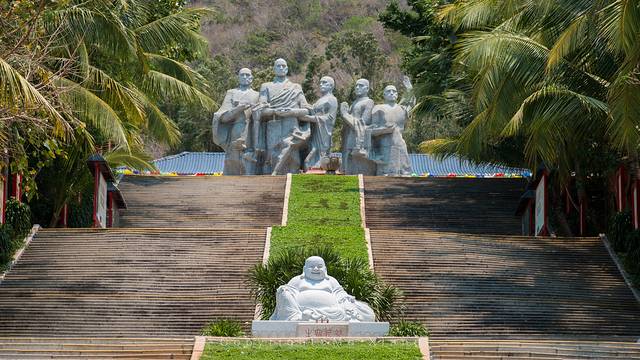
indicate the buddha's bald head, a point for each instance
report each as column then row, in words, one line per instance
column 315, row 268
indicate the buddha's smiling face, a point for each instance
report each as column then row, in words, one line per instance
column 315, row 269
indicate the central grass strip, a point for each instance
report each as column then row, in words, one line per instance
column 323, row 209
column 326, row 351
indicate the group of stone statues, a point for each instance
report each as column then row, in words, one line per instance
column 275, row 131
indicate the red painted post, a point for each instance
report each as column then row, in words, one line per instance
column 109, row 209
column 16, row 187
column 636, row 204
column 65, row 216
column 620, row 185
column 3, row 196
column 583, row 217
column 96, row 186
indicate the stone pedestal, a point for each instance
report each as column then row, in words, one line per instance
column 287, row 329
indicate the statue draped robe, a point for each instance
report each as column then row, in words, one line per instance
column 284, row 138
column 324, row 112
column 355, row 146
column 389, row 148
column 232, row 135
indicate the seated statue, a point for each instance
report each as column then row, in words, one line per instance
column 316, row 296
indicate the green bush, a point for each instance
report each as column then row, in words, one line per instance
column 632, row 259
column 6, row 245
column 225, row 328
column 352, row 273
column 408, row 328
column 19, row 217
column 619, row 228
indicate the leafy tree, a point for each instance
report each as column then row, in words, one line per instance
column 428, row 62
column 83, row 76
column 559, row 80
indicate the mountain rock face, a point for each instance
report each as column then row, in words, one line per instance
column 312, row 35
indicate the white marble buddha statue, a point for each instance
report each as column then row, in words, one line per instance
column 316, row 296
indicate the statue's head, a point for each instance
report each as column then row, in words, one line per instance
column 362, row 87
column 280, row 67
column 245, row 77
column 390, row 93
column 315, row 269
column 327, row 84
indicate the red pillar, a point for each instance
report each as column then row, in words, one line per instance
column 620, row 187
column 96, row 189
column 110, row 209
column 583, row 217
column 64, row 217
column 636, row 204
column 16, row 187
column 3, row 197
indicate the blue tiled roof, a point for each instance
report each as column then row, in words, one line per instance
column 191, row 163
column 188, row 163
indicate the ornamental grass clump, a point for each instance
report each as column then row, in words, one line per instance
column 223, row 328
column 408, row 329
column 352, row 273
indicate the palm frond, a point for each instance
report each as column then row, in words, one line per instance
column 176, row 69
column 134, row 159
column 160, row 126
column 162, row 86
column 92, row 110
column 178, row 28
column 18, row 92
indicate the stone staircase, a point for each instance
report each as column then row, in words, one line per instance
column 237, row 202
column 129, row 282
column 533, row 349
column 475, row 205
column 95, row 348
column 465, row 285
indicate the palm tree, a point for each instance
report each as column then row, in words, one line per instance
column 561, row 75
column 92, row 73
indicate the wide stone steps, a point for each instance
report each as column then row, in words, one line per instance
column 95, row 348
column 202, row 201
column 532, row 349
column 466, row 285
column 467, row 205
column 129, row 282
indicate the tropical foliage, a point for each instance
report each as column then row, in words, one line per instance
column 546, row 82
column 78, row 77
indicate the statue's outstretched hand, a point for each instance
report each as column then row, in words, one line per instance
column 344, row 109
column 407, row 83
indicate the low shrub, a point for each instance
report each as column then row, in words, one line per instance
column 6, row 245
column 352, row 273
column 619, row 228
column 19, row 217
column 408, row 329
column 632, row 258
column 223, row 328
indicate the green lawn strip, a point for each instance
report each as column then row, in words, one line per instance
column 323, row 210
column 348, row 241
column 324, row 200
column 312, row 351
